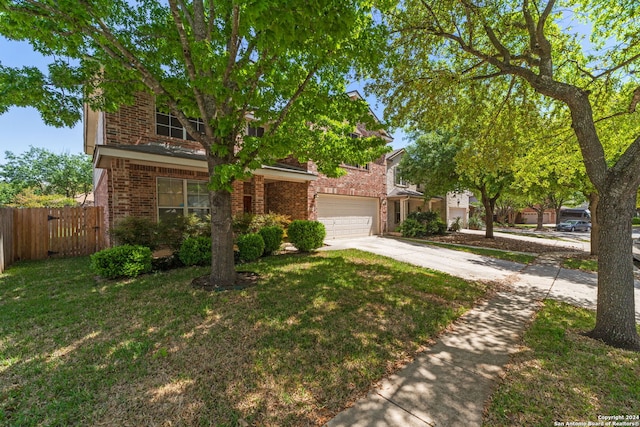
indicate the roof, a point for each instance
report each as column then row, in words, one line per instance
column 354, row 94
column 158, row 153
column 394, row 153
column 396, row 192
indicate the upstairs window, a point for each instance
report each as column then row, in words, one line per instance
column 356, row 165
column 398, row 179
column 255, row 131
column 168, row 125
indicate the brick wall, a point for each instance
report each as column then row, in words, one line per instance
column 288, row 198
column 357, row 182
column 101, row 198
column 136, row 124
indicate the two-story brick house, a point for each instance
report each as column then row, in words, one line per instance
column 145, row 164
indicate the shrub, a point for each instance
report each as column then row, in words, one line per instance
column 424, row 217
column 172, row 232
column 250, row 247
column 412, row 228
column 437, row 227
column 475, row 223
column 135, row 231
column 456, row 225
column 272, row 237
column 195, row 251
column 249, row 223
column 635, row 220
column 121, row 261
column 420, row 224
column 306, row 235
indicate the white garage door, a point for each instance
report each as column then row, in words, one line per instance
column 455, row 213
column 348, row 216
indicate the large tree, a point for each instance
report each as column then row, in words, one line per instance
column 281, row 64
column 463, row 42
column 444, row 163
column 489, row 136
column 550, row 173
column 46, row 172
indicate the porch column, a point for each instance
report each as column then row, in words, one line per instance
column 404, row 209
column 257, row 195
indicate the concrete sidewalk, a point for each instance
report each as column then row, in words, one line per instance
column 449, row 384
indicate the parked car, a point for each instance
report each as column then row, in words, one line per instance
column 574, row 225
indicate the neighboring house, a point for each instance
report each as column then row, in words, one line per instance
column 458, row 206
column 146, row 165
column 530, row 216
column 404, row 197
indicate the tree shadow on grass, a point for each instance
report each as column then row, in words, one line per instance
column 314, row 335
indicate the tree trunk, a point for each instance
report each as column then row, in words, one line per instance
column 540, row 213
column 223, row 269
column 595, row 225
column 616, row 317
column 489, row 206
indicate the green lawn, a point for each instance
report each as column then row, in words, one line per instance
column 562, row 376
column 587, row 264
column 494, row 253
column 315, row 334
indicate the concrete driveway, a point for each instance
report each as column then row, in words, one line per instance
column 457, row 263
column 542, row 278
column 449, row 383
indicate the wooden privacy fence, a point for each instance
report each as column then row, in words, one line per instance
column 6, row 238
column 39, row 233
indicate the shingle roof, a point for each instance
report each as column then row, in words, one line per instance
column 404, row 192
column 185, row 153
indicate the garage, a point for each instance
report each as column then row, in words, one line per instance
column 348, row 216
column 457, row 213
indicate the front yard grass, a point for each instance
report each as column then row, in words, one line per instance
column 562, row 376
column 494, row 253
column 314, row 335
column 588, row 263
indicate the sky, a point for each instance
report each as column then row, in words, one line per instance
column 23, row 127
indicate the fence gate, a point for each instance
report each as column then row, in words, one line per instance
column 40, row 233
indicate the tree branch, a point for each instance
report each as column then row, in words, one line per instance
column 190, row 65
column 634, row 58
column 546, row 61
column 199, row 23
column 502, row 104
column 293, row 99
column 232, row 44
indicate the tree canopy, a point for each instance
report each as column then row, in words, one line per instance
column 47, row 173
column 281, row 65
column 445, row 48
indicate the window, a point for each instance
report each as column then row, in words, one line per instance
column 356, row 165
column 255, row 131
column 182, row 197
column 169, row 125
column 398, row 178
column 396, row 211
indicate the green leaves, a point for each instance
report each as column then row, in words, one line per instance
column 48, row 173
column 282, row 63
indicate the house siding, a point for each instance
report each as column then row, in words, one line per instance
column 127, row 187
column 288, row 198
column 357, row 182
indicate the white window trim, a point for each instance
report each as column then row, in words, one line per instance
column 185, row 195
column 198, row 123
